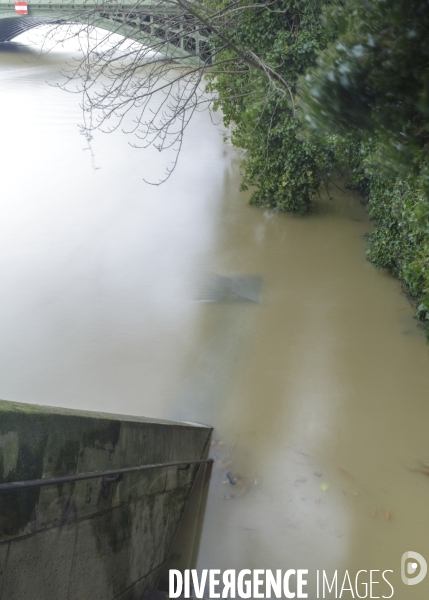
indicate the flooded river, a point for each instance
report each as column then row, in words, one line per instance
column 183, row 302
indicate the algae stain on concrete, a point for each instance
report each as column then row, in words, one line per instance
column 104, row 437
column 113, row 532
column 9, row 444
column 114, row 528
column 22, row 448
column 67, row 458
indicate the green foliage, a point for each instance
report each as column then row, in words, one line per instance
column 374, row 78
column 368, row 96
column 285, row 168
column 400, row 208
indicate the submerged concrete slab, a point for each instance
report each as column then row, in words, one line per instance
column 231, row 288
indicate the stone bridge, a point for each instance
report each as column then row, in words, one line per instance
column 149, row 22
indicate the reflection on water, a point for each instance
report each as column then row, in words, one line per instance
column 317, row 389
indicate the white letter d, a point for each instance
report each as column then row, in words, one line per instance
column 172, row 575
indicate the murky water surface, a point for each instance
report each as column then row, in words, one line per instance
column 183, row 302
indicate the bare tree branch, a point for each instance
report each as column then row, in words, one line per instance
column 150, row 83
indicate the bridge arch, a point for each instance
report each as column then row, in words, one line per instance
column 180, row 38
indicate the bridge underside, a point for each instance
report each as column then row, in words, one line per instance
column 179, row 39
column 12, row 27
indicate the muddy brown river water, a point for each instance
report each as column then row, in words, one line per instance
column 184, row 302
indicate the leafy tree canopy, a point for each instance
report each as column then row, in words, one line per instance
column 373, row 79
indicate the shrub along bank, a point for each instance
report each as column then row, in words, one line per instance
column 369, row 97
column 285, row 168
column 398, row 204
column 359, row 73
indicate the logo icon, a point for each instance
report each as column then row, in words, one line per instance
column 410, row 563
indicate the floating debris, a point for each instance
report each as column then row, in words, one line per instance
column 388, row 514
column 346, row 474
column 317, row 473
column 357, row 482
column 419, row 469
column 423, row 462
column 232, row 480
column 217, row 442
column 300, row 481
column 324, row 487
column 242, row 483
column 373, row 512
column 228, row 496
column 222, row 463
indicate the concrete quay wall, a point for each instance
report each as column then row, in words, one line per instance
column 83, row 540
